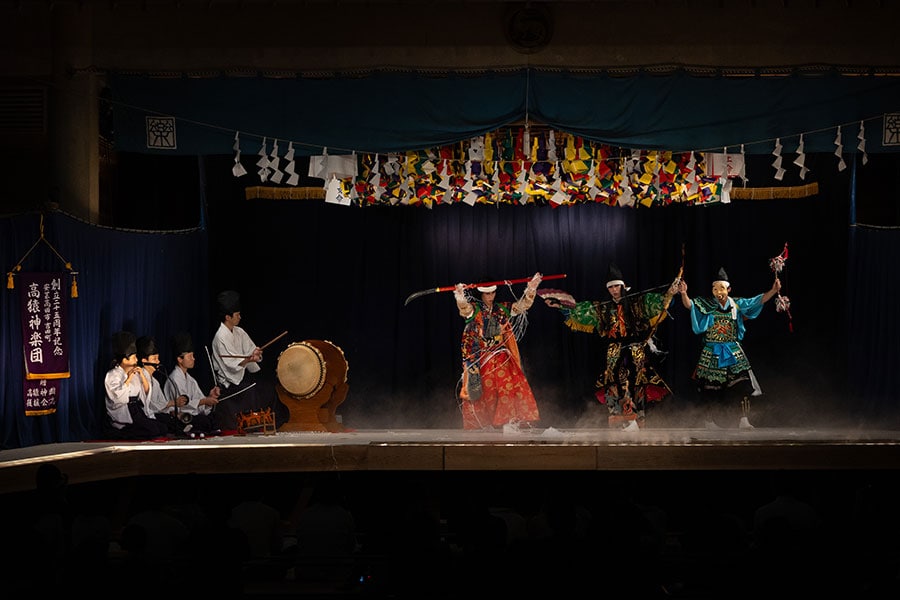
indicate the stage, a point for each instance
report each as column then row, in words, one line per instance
column 441, row 450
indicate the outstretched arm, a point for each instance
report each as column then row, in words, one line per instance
column 465, row 307
column 776, row 287
column 681, row 288
column 527, row 299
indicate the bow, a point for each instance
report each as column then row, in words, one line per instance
column 667, row 299
column 450, row 288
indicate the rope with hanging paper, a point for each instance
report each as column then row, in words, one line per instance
column 10, row 283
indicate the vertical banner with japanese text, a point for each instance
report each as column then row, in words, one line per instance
column 45, row 346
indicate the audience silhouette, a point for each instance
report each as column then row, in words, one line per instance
column 446, row 535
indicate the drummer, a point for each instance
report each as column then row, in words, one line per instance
column 236, row 361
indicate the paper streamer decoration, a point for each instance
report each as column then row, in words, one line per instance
column 334, row 192
column 862, row 142
column 838, row 150
column 274, row 174
column 238, row 169
column 290, row 168
column 263, row 163
column 800, row 161
column 779, row 172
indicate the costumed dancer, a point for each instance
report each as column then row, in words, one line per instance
column 723, row 372
column 494, row 390
column 629, row 382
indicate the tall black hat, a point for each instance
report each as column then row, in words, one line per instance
column 123, row 345
column 721, row 275
column 228, row 302
column 614, row 276
column 182, row 343
column 146, row 346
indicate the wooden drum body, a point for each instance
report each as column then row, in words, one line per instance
column 312, row 383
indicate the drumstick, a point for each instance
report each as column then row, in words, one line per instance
column 263, row 347
column 221, row 398
column 212, row 367
column 272, row 341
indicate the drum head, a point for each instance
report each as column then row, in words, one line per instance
column 301, row 370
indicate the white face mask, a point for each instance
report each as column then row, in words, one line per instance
column 720, row 290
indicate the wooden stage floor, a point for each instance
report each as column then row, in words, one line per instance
column 427, row 450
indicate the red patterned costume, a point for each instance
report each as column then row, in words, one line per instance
column 494, row 388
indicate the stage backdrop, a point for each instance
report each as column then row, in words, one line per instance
column 151, row 283
column 324, row 271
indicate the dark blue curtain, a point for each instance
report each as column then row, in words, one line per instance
column 873, row 320
column 151, row 283
column 323, row 271
column 342, row 274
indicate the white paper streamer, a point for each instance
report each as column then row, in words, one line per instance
column 468, row 185
column 626, row 198
column 524, row 177
column 559, row 197
column 263, row 163
column 724, row 182
column 405, row 190
column 445, row 184
column 323, row 166
column 779, row 172
column 693, row 184
column 551, row 147
column 318, row 167
column 275, row 175
column 526, row 142
column 290, row 168
column 557, row 178
column 593, row 190
column 238, row 169
column 800, row 161
column 375, row 180
column 838, row 150
column 334, row 192
column 861, row 146
column 742, row 173
column 476, row 149
column 725, row 194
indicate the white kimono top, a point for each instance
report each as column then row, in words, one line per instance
column 118, row 394
column 235, row 342
column 183, row 383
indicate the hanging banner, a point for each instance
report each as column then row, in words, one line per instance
column 45, row 346
column 41, row 396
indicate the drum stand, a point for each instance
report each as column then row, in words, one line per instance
column 316, row 413
column 312, row 383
